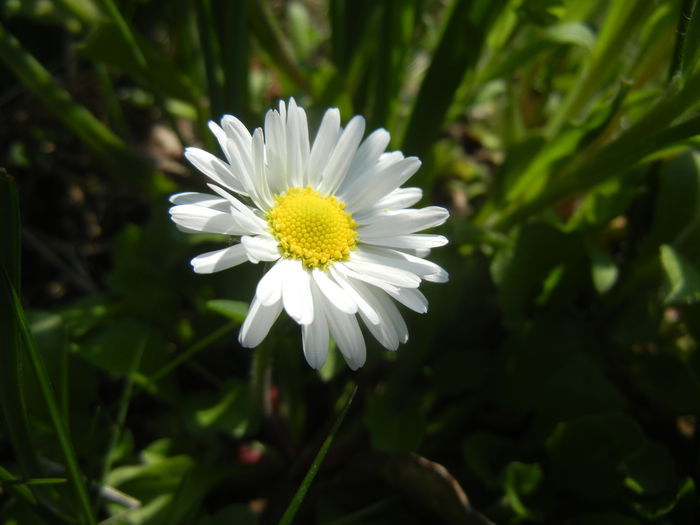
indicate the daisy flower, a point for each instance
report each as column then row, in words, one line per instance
column 331, row 220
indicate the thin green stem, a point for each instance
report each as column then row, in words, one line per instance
column 685, row 15
column 311, row 474
column 84, row 508
column 192, row 350
column 121, row 414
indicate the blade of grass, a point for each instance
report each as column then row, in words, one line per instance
column 313, row 469
column 207, row 43
column 234, row 44
column 613, row 160
column 115, row 17
column 275, row 44
column 118, row 427
column 620, row 23
column 188, row 353
column 458, row 50
column 686, row 47
column 12, row 399
column 95, row 135
column 83, row 510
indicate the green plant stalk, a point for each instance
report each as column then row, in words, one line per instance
column 47, row 393
column 458, row 50
column 615, row 31
column 189, row 352
column 12, row 400
column 95, row 135
column 273, row 41
column 40, row 82
column 121, row 415
column 207, row 45
column 313, row 469
column 685, row 15
column 613, row 160
column 110, row 9
column 234, row 46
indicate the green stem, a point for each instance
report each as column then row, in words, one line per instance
column 313, row 469
column 192, row 350
column 84, row 508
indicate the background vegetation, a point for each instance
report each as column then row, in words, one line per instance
column 554, row 380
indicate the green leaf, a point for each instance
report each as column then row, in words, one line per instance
column 235, row 310
column 683, row 277
column 521, row 479
column 677, row 206
column 588, row 453
column 651, row 471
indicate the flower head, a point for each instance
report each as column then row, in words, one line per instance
column 330, row 215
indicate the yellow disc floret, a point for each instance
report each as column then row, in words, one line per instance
column 312, row 227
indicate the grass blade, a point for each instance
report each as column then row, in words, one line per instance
column 457, row 52
column 311, row 474
column 95, row 135
column 12, row 401
column 26, row 340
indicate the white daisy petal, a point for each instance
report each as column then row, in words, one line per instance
column 391, row 315
column 214, row 168
column 403, row 221
column 221, row 137
column 397, row 200
column 382, row 330
column 258, row 322
column 260, row 248
column 341, row 158
column 389, row 274
column 200, row 199
column 325, row 141
column 259, row 174
column 347, row 335
column 296, row 292
column 363, row 306
column 218, row 260
column 336, row 295
column 207, row 220
column 426, row 270
column 244, row 215
column 314, row 336
column 365, row 159
column 417, row 241
column 385, row 181
column 411, row 298
column 269, row 289
column 276, row 151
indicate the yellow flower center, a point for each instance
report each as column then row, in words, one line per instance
column 312, row 227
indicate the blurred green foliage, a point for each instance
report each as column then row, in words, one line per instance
column 556, row 379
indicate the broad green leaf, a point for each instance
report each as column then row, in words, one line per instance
column 588, row 453
column 683, row 277
column 651, row 471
